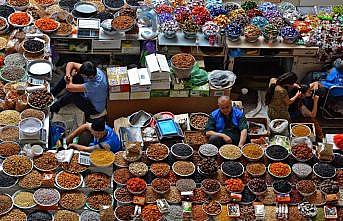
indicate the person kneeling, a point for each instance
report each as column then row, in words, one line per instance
column 227, row 125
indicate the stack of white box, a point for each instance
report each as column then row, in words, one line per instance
column 139, row 83
column 159, row 72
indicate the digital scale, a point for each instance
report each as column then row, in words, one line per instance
column 168, row 129
column 40, row 137
column 88, row 28
column 84, row 158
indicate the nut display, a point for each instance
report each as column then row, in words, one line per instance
column 138, row 168
column 73, row 166
column 98, row 181
column 160, row 169
column 9, row 117
column 199, row 196
column 12, row 73
column 252, row 151
column 183, row 61
column 17, row 165
column 157, row 151
column 24, row 199
column 73, row 200
column 46, row 162
column 306, row 186
column 9, row 149
column 46, row 196
column 123, row 195
column 212, row 208
column 33, row 45
column 210, row 185
column 230, row 152
column 40, row 99
column 122, row 175
column 257, row 185
column 5, row 203
column 208, row 166
column 122, row 22
column 161, row 185
column 302, row 152
column 31, row 181
column 199, row 121
column 324, row 170
column 99, row 198
column 32, row 113
column 183, row 168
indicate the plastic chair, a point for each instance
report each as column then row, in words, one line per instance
column 325, row 112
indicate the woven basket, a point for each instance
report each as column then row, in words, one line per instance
column 182, row 73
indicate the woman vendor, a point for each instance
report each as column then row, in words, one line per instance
column 94, row 136
column 277, row 96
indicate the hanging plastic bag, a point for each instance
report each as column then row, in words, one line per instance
column 10, row 100
column 198, row 76
column 278, row 126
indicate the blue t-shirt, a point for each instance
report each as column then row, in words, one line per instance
column 335, row 78
column 111, row 139
column 96, row 90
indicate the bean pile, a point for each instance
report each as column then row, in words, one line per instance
column 183, row 168
column 31, row 180
column 186, row 61
column 68, row 180
column 5, row 203
column 257, row 185
column 173, row 196
column 9, row 117
column 97, row 199
column 208, row 166
column 123, row 195
column 302, row 152
column 33, row 45
column 46, row 162
column 210, row 185
column 114, row 3
column 122, row 175
column 301, row 169
column 15, row 59
column 47, row 196
column 277, row 152
column 151, row 213
column 125, row 212
column 199, row 196
column 138, row 168
column 24, row 199
column 230, row 152
column 212, row 207
column 306, row 186
column 232, row 168
column 150, row 195
column 17, row 165
column 9, row 149
column 14, row 214
column 185, row 185
column 73, row 166
column 157, row 151
column 324, row 170
column 89, row 215
column 161, row 185
column 252, row 151
column 98, row 181
column 73, row 200
column 160, row 169
column 122, row 22
column 329, row 187
column 119, row 159
column 5, row 11
column 6, row 181
column 256, row 169
column 12, row 73
column 40, row 98
column 65, row 215
column 39, row 216
column 199, row 121
column 9, row 134
column 195, row 138
column 282, row 186
column 198, row 213
column 64, row 29
column 182, row 149
column 208, row 150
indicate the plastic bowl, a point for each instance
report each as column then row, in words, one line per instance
column 30, row 126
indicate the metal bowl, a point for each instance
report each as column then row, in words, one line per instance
column 19, row 26
column 64, row 188
column 21, row 207
column 30, row 126
column 21, row 175
column 3, row 213
column 47, row 205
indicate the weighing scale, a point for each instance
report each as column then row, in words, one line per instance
column 40, row 137
column 84, row 158
column 88, row 28
column 168, row 129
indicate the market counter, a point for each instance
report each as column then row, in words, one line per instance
column 117, row 109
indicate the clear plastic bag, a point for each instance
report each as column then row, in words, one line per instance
column 301, row 140
column 21, row 103
column 281, row 128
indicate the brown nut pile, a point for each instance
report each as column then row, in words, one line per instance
column 64, row 29
column 161, row 184
column 9, row 134
column 5, row 203
column 122, row 22
column 40, row 98
column 73, row 200
column 68, row 180
column 97, row 199
column 65, row 215
column 183, row 60
column 32, row 113
column 160, row 169
column 17, row 165
column 73, row 166
column 195, row 138
column 31, row 180
column 183, row 168
column 98, row 181
column 199, row 121
column 212, row 207
column 157, row 151
column 46, row 162
column 123, row 195
column 18, row 3
column 9, row 149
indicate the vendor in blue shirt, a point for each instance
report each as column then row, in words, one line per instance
column 86, row 87
column 335, row 78
column 227, row 125
column 103, row 137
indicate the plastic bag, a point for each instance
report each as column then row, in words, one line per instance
column 278, row 126
column 11, row 99
column 256, row 128
column 198, row 76
column 301, row 140
column 21, row 103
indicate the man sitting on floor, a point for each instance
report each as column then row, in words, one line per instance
column 227, row 125
column 94, row 136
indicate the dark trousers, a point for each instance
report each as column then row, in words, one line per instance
column 79, row 99
column 216, row 141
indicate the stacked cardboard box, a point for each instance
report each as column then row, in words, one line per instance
column 118, row 80
column 159, row 72
column 139, row 83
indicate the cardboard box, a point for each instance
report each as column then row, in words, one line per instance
column 139, row 95
column 139, row 80
column 119, row 96
column 157, row 67
column 160, row 84
column 180, row 84
column 222, row 92
column 159, row 93
column 118, row 79
column 179, row 93
column 200, row 91
column 130, row 47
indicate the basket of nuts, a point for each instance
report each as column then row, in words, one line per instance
column 182, row 65
column 199, row 120
column 40, row 99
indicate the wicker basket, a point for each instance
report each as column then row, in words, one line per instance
column 181, row 73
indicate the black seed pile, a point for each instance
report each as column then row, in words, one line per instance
column 282, row 186
column 39, row 216
column 182, row 150
column 132, row 2
column 103, row 16
column 114, row 3
column 232, row 168
column 248, row 196
column 277, row 152
column 33, row 45
column 6, row 10
column 69, row 4
column 6, row 181
column 325, row 170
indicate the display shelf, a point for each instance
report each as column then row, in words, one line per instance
column 180, row 40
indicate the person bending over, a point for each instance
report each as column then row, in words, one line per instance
column 227, row 125
column 86, row 87
column 94, row 136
